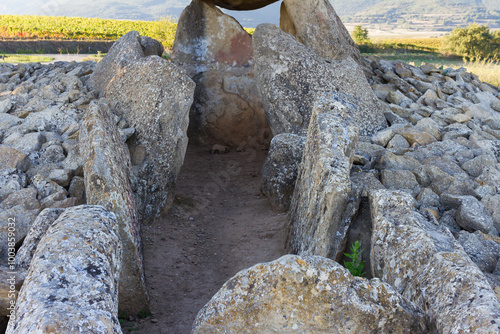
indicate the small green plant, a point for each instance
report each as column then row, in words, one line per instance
column 356, row 265
column 144, row 314
column 132, row 328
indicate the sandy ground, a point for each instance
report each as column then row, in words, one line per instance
column 219, row 224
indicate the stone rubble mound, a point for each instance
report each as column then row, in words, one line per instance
column 404, row 157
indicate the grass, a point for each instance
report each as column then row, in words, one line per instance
column 24, row 59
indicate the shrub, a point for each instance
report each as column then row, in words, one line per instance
column 472, row 42
column 360, row 35
column 356, row 265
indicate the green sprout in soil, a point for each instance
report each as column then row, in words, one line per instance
column 356, row 265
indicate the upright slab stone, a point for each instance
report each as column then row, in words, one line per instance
column 72, row 283
column 154, row 97
column 296, row 294
column 280, row 169
column 217, row 53
column 290, row 77
column 323, row 186
column 107, row 168
column 315, row 24
column 425, row 263
column 129, row 48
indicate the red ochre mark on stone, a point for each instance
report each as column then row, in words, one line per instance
column 240, row 50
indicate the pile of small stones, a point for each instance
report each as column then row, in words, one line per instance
column 443, row 147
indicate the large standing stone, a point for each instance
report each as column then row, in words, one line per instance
column 306, row 295
column 217, row 53
column 154, row 97
column 316, row 25
column 290, row 77
column 72, row 283
column 425, row 263
column 107, row 167
column 323, row 186
column 280, row 169
column 129, row 48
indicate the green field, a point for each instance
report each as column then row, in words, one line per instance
column 411, row 50
column 23, row 59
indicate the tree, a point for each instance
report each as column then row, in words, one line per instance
column 360, row 35
column 472, row 42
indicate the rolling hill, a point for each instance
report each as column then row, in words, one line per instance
column 396, row 12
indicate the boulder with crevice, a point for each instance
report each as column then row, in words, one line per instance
column 290, row 77
column 153, row 96
column 72, row 283
column 107, row 169
column 217, row 53
column 280, row 169
column 425, row 263
column 323, row 188
column 307, row 294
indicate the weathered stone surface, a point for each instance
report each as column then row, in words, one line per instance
column 323, row 187
column 16, row 220
column 209, row 39
column 71, row 286
column 484, row 253
column 472, row 216
column 425, row 264
column 290, row 77
column 318, row 27
column 217, row 53
column 43, row 221
column 124, row 51
column 307, row 294
column 107, row 183
column 11, row 180
column 280, row 169
column 154, row 97
column 227, row 109
column 12, row 158
column 25, row 197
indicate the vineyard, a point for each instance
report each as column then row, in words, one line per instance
column 77, row 28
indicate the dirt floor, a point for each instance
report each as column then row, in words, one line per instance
column 219, row 224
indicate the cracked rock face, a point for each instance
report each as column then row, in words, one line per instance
column 290, row 77
column 280, row 169
column 217, row 53
column 315, row 24
column 153, row 96
column 323, row 187
column 425, row 263
column 107, row 169
column 72, row 283
column 308, row 294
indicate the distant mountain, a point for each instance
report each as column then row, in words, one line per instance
column 399, row 12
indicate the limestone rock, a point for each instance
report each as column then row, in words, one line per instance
column 217, row 53
column 290, row 77
column 43, row 221
column 227, row 109
column 280, row 169
column 107, row 183
column 124, row 51
column 16, row 219
column 208, row 38
column 12, row 158
column 154, row 97
column 318, row 27
column 308, row 294
column 323, row 187
column 11, row 180
column 425, row 264
column 25, row 197
column 71, row 286
column 472, row 216
column 484, row 253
